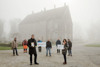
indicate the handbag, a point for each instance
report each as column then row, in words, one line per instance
column 63, row 51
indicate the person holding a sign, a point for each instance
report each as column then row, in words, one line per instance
column 32, row 49
column 58, row 42
column 64, row 51
column 39, row 47
column 48, row 47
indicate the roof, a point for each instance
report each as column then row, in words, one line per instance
column 56, row 13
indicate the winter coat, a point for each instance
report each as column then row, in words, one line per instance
column 70, row 45
column 64, row 51
column 32, row 50
column 58, row 42
column 48, row 44
column 24, row 42
column 14, row 44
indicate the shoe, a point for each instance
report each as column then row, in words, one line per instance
column 17, row 55
column 30, row 63
column 37, row 63
column 13, row 54
column 64, row 63
column 68, row 55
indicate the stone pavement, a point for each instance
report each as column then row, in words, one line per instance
column 82, row 57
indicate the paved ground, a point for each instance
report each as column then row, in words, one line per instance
column 82, row 57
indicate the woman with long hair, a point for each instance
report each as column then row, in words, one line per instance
column 64, row 51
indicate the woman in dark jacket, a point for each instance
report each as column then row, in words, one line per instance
column 64, row 51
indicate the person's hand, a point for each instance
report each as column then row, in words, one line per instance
column 32, row 47
column 62, row 49
column 63, row 43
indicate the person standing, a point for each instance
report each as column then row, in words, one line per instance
column 58, row 42
column 39, row 48
column 32, row 49
column 64, row 51
column 48, row 47
column 14, row 46
column 69, row 48
column 24, row 44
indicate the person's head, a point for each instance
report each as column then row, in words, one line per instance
column 32, row 36
column 38, row 39
column 58, row 39
column 64, row 41
column 15, row 39
column 68, row 39
column 25, row 40
column 48, row 40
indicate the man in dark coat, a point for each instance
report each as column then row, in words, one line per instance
column 58, row 42
column 70, row 48
column 48, row 47
column 32, row 49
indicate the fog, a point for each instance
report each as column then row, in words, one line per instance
column 85, row 15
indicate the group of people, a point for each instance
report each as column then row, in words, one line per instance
column 31, row 43
column 67, row 46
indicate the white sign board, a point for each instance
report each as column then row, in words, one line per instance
column 60, row 46
column 42, row 44
column 32, row 44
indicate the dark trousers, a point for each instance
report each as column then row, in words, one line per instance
column 35, row 58
column 64, row 57
column 25, row 50
column 39, row 48
column 15, row 49
column 58, row 50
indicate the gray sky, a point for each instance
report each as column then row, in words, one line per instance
column 10, row 9
column 83, row 12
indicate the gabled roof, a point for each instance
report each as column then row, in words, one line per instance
column 56, row 13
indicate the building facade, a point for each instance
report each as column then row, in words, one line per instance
column 48, row 24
